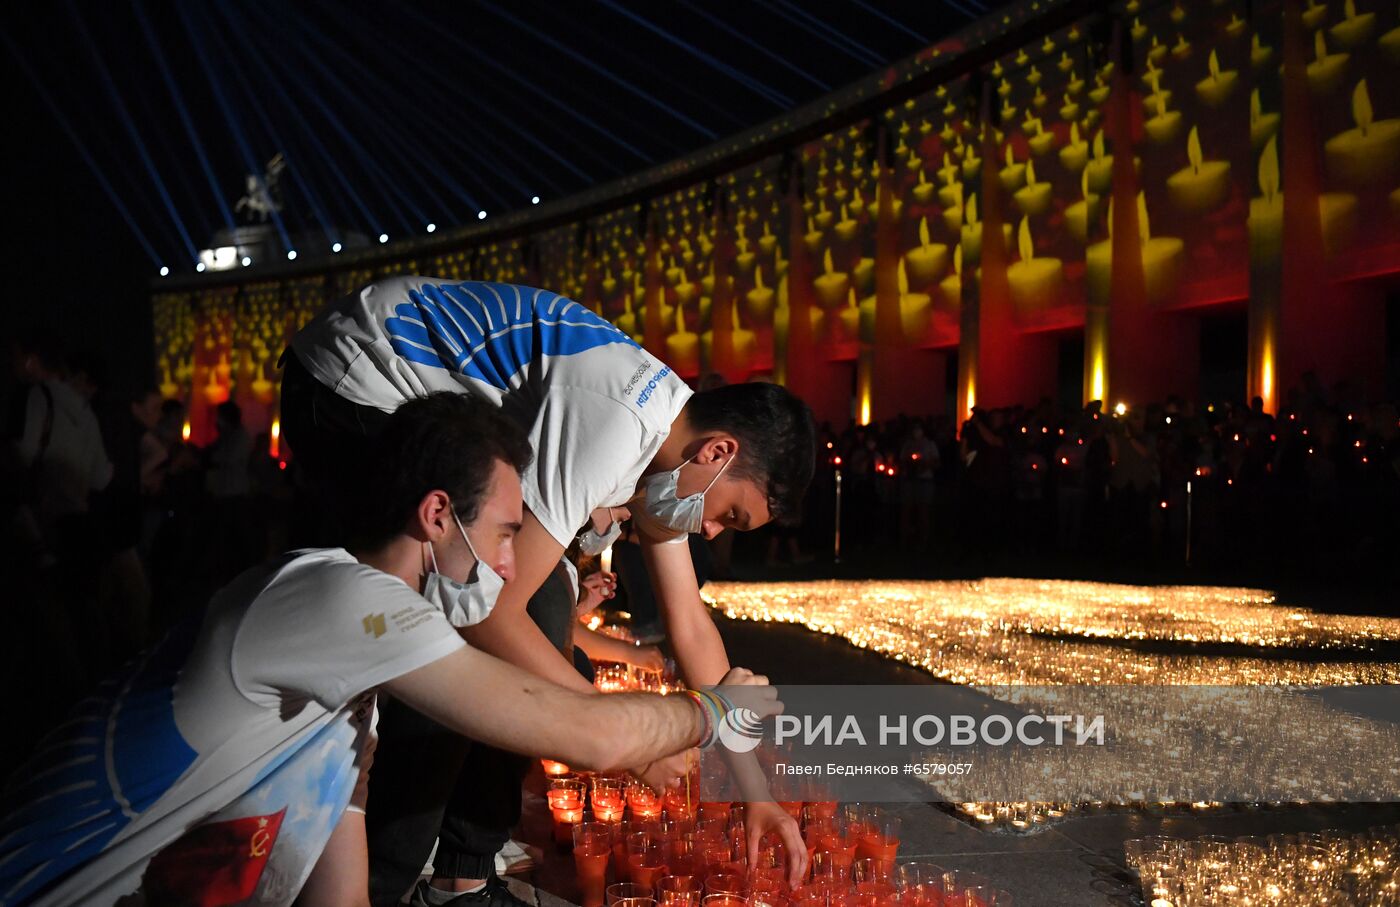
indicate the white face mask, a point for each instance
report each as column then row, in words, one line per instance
column 662, row 509
column 591, row 542
column 463, row 603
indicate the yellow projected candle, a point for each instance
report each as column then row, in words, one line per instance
column 1314, row 14
column 1259, row 53
column 767, row 242
column 627, row 321
column 1262, row 126
column 1367, row 157
column 683, row 347
column 745, row 258
column 1182, row 48
column 1201, row 186
column 972, row 165
column 1069, row 110
column 1033, row 198
column 915, row 309
column 1215, row 89
column 823, row 217
column 831, row 285
column 926, row 261
column 760, row 300
column 1164, row 126
column 1100, row 167
column 1079, row 215
column 1161, row 259
column 1236, row 26
column 953, row 214
column 1354, row 29
column 1266, row 211
column 1390, row 43
column 1034, row 281
column 846, row 227
column 863, row 276
column 951, row 286
column 1041, row 141
column 923, row 189
column 686, row 289
column 813, row 238
column 743, row 344
column 1326, row 71
column 1013, row 175
column 1076, row 153
column 1099, row 93
column 858, row 318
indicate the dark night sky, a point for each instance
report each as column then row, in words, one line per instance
column 390, row 114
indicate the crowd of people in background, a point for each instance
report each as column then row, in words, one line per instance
column 1218, row 486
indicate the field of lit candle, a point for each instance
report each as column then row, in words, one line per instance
column 1045, row 632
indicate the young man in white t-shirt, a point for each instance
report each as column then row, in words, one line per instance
column 222, row 766
column 611, row 426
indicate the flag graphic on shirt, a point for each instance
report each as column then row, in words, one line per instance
column 491, row 331
column 214, row 864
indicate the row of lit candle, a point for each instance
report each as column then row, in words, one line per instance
column 1325, row 869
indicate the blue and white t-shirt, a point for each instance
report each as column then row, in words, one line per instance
column 214, row 769
column 596, row 405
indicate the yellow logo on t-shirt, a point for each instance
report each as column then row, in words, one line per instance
column 374, row 625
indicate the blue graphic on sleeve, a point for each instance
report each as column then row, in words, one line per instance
column 491, row 331
column 96, row 773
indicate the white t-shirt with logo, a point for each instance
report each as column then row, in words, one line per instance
column 596, row 406
column 214, row 769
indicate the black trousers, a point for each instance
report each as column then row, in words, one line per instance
column 427, row 782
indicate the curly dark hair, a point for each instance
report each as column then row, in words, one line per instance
column 448, row 441
column 777, row 437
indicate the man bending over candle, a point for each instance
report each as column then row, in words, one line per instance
column 611, row 426
column 226, row 764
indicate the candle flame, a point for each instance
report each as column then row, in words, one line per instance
column 1023, row 240
column 1256, row 107
column 922, row 180
column 903, row 277
column 970, row 211
column 1074, row 134
column 1010, row 157
column 1030, row 173
column 923, row 232
column 1098, row 145
column 1349, row 8
column 957, row 260
column 1084, row 183
column 734, row 317
column 680, row 319
column 1268, row 169
column 1255, row 44
column 1319, row 45
column 1361, row 106
column 1193, row 150
column 1143, row 224
column 1161, row 101
column 851, row 299
column 827, row 263
column 844, row 215
column 758, row 278
column 1213, row 64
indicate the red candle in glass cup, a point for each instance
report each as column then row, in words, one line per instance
column 879, row 839
column 725, row 883
column 678, row 890
column 592, row 848
column 646, row 860
column 792, row 808
column 723, row 900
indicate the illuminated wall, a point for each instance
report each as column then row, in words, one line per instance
column 1112, row 179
